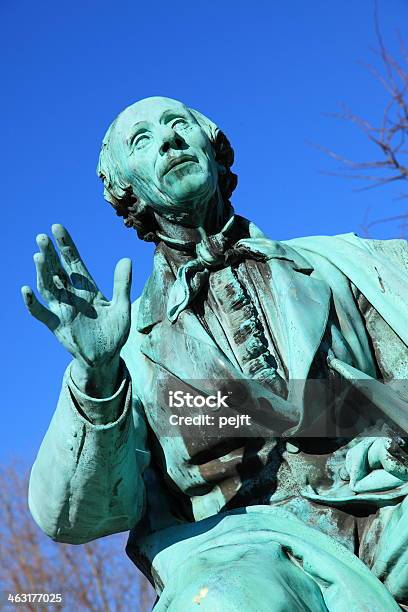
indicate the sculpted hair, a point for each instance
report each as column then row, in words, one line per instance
column 137, row 214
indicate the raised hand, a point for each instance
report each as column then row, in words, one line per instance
column 92, row 328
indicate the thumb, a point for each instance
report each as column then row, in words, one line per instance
column 122, row 281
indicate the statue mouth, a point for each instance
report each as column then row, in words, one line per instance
column 178, row 161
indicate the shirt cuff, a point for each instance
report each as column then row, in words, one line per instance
column 101, row 411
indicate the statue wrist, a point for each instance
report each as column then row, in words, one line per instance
column 99, row 380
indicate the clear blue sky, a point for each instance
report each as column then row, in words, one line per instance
column 265, row 71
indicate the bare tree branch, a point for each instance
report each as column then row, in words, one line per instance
column 389, row 135
column 93, row 577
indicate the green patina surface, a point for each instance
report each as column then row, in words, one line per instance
column 305, row 508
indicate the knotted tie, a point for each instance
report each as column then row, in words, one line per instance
column 214, row 252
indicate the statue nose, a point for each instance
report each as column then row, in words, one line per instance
column 171, row 140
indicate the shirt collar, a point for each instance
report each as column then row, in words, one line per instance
column 154, row 297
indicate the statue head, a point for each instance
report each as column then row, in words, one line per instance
column 160, row 157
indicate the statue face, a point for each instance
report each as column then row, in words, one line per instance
column 167, row 157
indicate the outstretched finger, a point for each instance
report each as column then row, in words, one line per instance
column 45, row 283
column 69, row 253
column 37, row 310
column 122, row 281
column 52, row 261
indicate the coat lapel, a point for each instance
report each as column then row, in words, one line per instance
column 301, row 304
column 186, row 350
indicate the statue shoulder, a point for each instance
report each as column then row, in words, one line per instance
column 395, row 250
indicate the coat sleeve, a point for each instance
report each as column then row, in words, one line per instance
column 86, row 481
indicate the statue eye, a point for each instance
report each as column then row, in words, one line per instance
column 179, row 124
column 140, row 140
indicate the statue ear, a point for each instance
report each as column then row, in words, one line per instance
column 224, row 154
column 207, row 125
